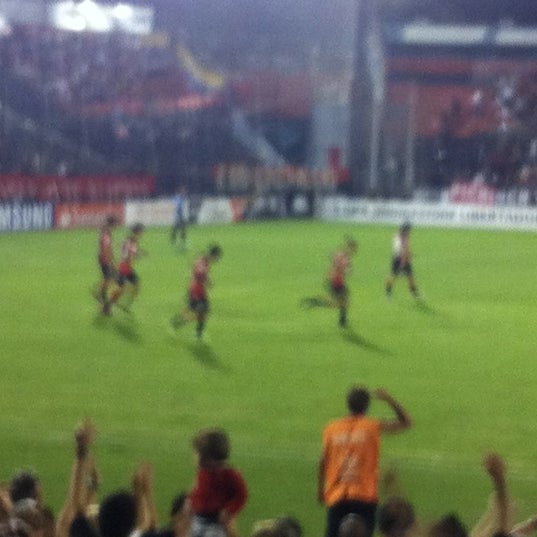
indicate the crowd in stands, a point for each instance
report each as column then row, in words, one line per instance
column 77, row 70
column 111, row 102
column 491, row 136
column 219, row 493
column 74, row 103
column 27, row 149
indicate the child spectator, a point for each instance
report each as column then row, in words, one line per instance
column 219, row 492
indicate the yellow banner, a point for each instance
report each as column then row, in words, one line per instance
column 207, row 77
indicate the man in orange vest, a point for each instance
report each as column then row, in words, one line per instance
column 347, row 477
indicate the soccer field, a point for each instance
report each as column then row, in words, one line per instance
column 272, row 374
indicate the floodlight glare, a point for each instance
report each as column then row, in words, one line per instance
column 5, row 28
column 96, row 18
column 123, row 12
column 65, row 16
column 92, row 16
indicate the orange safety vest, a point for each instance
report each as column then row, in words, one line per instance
column 350, row 453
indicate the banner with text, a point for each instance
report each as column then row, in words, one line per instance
column 222, row 210
column 472, row 193
column 428, row 214
column 82, row 188
column 76, row 215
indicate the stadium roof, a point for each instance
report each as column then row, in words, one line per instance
column 280, row 19
column 463, row 11
column 460, row 11
column 521, row 11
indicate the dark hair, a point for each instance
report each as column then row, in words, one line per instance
column 137, row 228
column 405, row 227
column 23, row 485
column 395, row 516
column 111, row 220
column 215, row 250
column 448, row 526
column 211, row 445
column 117, row 515
column 358, row 400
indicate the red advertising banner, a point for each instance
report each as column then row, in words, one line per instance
column 81, row 188
column 239, row 176
column 75, row 215
column 471, row 193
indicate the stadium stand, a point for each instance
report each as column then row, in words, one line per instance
column 474, row 115
column 134, row 107
column 146, row 104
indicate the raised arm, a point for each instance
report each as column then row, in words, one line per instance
column 83, row 481
column 495, row 519
column 142, row 487
column 401, row 421
column 495, row 467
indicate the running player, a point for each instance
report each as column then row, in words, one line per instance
column 401, row 261
column 105, row 257
column 198, row 302
column 338, row 292
column 126, row 274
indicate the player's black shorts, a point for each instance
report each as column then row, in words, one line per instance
column 107, row 271
column 398, row 267
column 132, row 277
column 198, row 305
column 339, row 292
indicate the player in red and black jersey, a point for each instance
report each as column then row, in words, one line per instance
column 125, row 271
column 338, row 293
column 105, row 257
column 198, row 301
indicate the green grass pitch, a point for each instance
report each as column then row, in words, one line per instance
column 463, row 363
